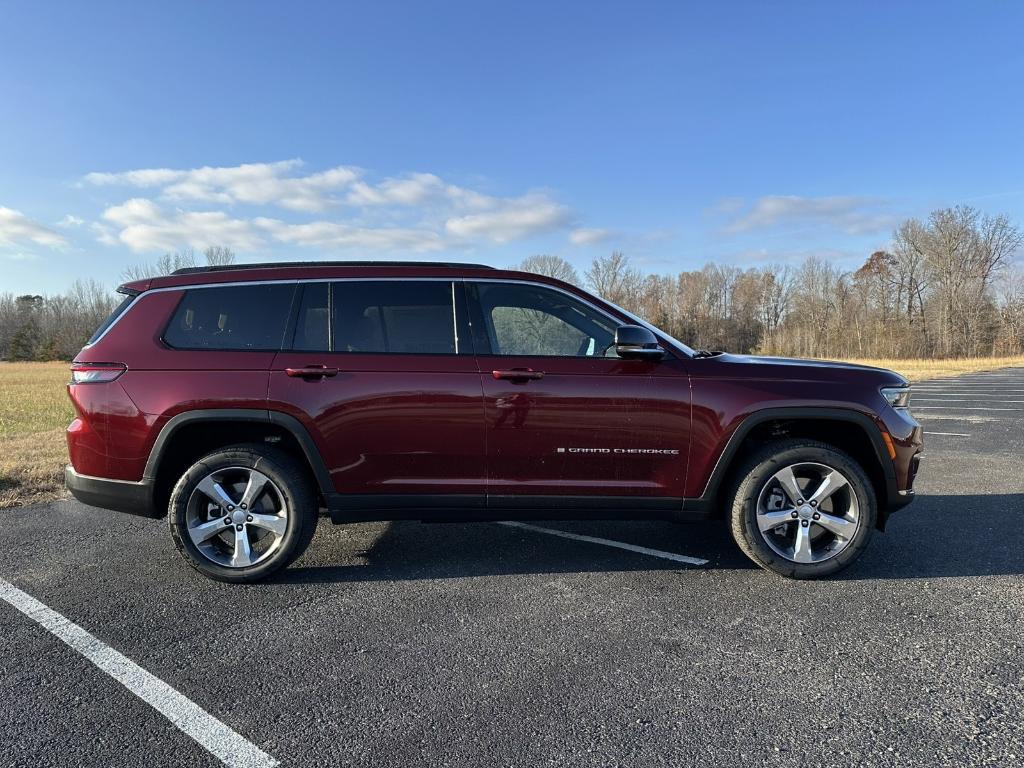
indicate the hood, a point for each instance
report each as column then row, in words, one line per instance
column 758, row 366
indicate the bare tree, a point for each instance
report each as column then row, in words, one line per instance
column 614, row 279
column 550, row 266
column 214, row 255
column 219, row 256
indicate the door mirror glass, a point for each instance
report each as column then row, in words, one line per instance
column 634, row 342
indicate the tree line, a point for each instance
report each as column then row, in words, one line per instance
column 947, row 287
column 37, row 327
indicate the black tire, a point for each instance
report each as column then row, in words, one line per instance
column 754, row 474
column 291, row 481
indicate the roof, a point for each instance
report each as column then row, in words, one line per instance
column 307, row 264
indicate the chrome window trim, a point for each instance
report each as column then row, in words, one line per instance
column 449, row 279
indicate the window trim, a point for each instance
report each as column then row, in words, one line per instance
column 461, row 330
column 263, row 350
column 478, row 311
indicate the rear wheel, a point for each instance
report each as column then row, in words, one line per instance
column 802, row 509
column 242, row 513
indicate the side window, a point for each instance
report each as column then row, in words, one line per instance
column 232, row 317
column 391, row 316
column 521, row 319
column 312, row 325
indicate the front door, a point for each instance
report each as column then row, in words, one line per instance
column 383, row 375
column 567, row 417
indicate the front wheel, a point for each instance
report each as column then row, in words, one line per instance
column 802, row 509
column 242, row 513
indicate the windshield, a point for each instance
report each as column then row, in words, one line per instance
column 649, row 326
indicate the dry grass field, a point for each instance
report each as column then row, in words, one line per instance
column 35, row 409
column 919, row 370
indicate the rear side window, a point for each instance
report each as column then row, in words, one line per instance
column 414, row 317
column 118, row 311
column 232, row 317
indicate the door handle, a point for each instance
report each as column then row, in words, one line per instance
column 518, row 374
column 311, row 372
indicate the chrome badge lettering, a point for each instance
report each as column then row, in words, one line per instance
column 657, row 451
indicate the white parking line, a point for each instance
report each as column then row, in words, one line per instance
column 961, row 408
column 608, row 543
column 948, row 434
column 959, row 400
column 960, row 417
column 209, row 732
column 987, row 391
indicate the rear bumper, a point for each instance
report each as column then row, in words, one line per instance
column 135, row 498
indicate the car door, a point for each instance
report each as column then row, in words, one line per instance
column 383, row 374
column 565, row 416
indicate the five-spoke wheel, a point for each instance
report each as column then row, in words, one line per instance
column 237, row 517
column 807, row 512
column 802, row 508
column 243, row 512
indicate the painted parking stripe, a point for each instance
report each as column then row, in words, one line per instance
column 607, row 542
column 958, row 400
column 961, row 408
column 969, row 418
column 977, row 395
column 210, row 733
column 948, row 434
column 982, row 391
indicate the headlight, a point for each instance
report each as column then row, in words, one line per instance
column 897, row 397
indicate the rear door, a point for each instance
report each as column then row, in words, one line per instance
column 382, row 373
column 565, row 416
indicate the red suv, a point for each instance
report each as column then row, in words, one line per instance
column 241, row 401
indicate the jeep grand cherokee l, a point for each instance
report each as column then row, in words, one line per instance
column 241, row 401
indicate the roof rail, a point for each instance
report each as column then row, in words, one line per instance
column 301, row 264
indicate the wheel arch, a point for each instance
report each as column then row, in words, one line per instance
column 851, row 431
column 187, row 436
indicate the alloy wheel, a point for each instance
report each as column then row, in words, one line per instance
column 808, row 512
column 236, row 517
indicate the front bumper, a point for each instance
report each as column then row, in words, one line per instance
column 135, row 498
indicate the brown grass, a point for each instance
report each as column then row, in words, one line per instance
column 920, row 370
column 35, row 410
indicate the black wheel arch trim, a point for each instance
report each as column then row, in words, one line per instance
column 724, row 464
column 253, row 415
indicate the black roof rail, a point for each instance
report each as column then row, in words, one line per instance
column 301, row 264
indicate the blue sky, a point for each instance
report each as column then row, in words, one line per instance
column 680, row 133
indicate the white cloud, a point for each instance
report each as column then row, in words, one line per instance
column 16, row 227
column 414, row 189
column 20, row 256
column 414, row 211
column 510, row 219
column 590, row 236
column 144, row 226
column 853, row 215
column 250, row 183
column 337, row 236
column 70, row 221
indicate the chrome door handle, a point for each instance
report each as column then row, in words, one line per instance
column 518, row 374
column 311, row 372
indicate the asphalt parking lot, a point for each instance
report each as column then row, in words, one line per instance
column 488, row 645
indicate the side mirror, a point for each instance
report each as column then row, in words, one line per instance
column 634, row 342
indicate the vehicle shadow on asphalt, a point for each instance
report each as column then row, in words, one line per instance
column 412, row 551
column 938, row 536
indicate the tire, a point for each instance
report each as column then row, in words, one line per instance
column 826, row 537
column 228, row 537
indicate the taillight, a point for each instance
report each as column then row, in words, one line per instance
column 95, row 373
